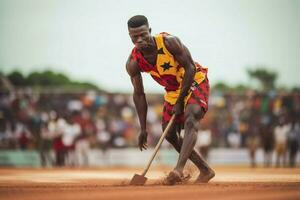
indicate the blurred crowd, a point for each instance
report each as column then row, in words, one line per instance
column 63, row 127
column 70, row 124
column 268, row 120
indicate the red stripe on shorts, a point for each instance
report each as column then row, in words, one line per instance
column 199, row 96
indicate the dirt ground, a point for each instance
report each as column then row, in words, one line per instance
column 230, row 183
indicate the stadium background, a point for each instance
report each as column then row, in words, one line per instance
column 68, row 126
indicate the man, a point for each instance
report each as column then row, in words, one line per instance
column 281, row 132
column 203, row 142
column 294, row 140
column 169, row 63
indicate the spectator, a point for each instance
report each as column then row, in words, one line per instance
column 69, row 134
column 294, row 140
column 204, row 141
column 267, row 140
column 281, row 133
column 47, row 137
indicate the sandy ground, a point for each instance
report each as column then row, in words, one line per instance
column 230, row 183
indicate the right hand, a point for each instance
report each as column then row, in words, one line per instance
column 143, row 140
column 178, row 108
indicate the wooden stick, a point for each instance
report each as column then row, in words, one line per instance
column 162, row 137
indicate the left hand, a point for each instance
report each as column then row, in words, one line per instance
column 143, row 140
column 178, row 108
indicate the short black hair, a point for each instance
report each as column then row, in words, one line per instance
column 137, row 21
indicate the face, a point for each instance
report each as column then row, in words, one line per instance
column 140, row 36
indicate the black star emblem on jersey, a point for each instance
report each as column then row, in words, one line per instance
column 166, row 66
column 160, row 51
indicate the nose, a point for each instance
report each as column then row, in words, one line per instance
column 139, row 40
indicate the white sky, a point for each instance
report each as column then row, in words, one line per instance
column 88, row 39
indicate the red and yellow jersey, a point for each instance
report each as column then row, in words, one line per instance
column 167, row 71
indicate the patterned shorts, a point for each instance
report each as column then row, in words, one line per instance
column 199, row 96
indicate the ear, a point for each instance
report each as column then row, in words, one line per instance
column 150, row 30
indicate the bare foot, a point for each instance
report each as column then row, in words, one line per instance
column 173, row 178
column 204, row 177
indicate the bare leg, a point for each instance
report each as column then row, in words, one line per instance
column 278, row 159
column 284, row 163
column 195, row 157
column 267, row 157
column 186, row 146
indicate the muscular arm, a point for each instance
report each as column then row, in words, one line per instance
column 184, row 58
column 138, row 97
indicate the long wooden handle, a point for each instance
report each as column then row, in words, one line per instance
column 162, row 137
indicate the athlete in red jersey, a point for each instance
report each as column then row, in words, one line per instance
column 170, row 63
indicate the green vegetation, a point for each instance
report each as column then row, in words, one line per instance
column 47, row 79
column 266, row 78
column 221, row 86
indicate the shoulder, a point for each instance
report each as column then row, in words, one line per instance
column 132, row 66
column 173, row 44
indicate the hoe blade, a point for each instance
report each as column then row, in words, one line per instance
column 138, row 180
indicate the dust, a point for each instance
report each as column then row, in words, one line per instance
column 160, row 181
column 163, row 180
column 124, row 182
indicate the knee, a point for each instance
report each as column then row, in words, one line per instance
column 190, row 123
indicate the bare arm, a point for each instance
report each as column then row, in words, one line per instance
column 139, row 99
column 184, row 58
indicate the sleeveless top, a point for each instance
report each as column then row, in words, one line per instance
column 167, row 71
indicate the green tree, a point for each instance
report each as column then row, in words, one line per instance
column 221, row 86
column 47, row 78
column 241, row 88
column 266, row 78
column 224, row 87
column 296, row 89
column 16, row 78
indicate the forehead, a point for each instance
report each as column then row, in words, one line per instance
column 138, row 30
